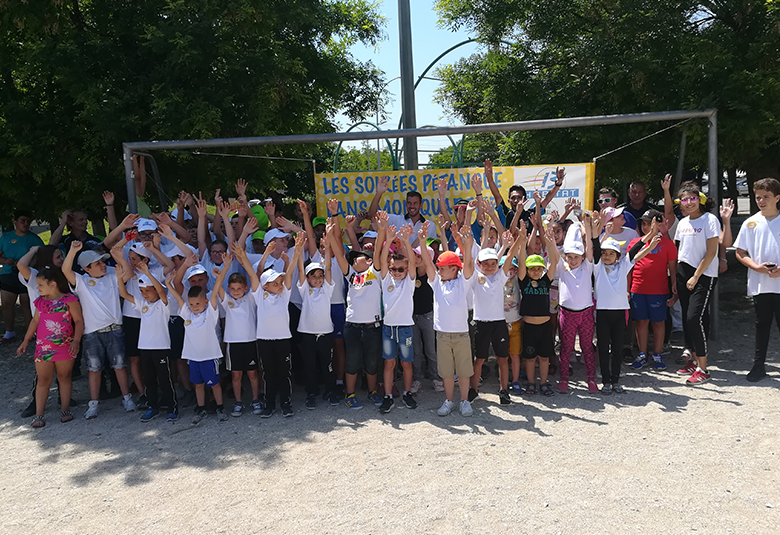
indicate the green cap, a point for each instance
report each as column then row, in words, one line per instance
column 429, row 241
column 534, row 261
column 259, row 235
column 319, row 220
column 261, row 216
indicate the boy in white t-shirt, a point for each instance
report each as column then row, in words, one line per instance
column 758, row 248
column 201, row 344
column 272, row 296
column 103, row 340
column 154, row 342
column 450, row 282
column 491, row 328
column 398, row 276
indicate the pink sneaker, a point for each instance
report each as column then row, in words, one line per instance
column 563, row 387
column 698, row 377
column 592, row 387
column 688, row 369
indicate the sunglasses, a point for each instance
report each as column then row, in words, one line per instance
column 605, row 200
column 689, row 200
column 397, row 270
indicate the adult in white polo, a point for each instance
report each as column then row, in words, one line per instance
column 411, row 217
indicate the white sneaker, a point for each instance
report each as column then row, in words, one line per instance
column 438, row 386
column 465, row 408
column 446, row 407
column 128, row 403
column 92, row 410
column 416, row 385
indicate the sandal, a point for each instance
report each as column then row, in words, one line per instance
column 66, row 416
column 618, row 389
column 38, row 422
column 530, row 389
column 606, row 390
column 546, row 389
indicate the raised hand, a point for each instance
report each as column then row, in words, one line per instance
column 654, row 242
column 666, row 183
column 488, row 168
column 163, row 218
column 283, row 223
column 595, row 222
column 381, row 184
column 609, row 228
column 224, row 210
column 522, row 231
column 238, row 251
column 202, row 208
column 156, row 239
column 76, row 246
column 441, row 184
column 108, row 198
column 333, row 207
column 476, row 184
column 444, row 222
column 243, row 209
column 506, row 239
column 271, row 247
column 129, row 221
column 560, row 173
column 727, row 209
column 217, row 197
column 303, row 207
column 227, row 259
column 537, row 197
column 118, row 271
column 405, row 233
column 190, row 260
column 381, row 218
column 270, row 210
column 350, row 219
column 467, row 238
column 241, row 186
column 554, row 216
column 422, row 234
column 391, row 231
column 251, row 225
column 472, row 205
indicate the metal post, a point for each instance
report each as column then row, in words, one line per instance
column 714, row 192
column 680, row 160
column 132, row 204
column 407, row 82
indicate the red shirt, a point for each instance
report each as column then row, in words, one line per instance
column 650, row 274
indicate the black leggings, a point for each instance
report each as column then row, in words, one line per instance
column 610, row 328
column 767, row 306
column 275, row 356
column 695, row 308
column 316, row 350
column 156, row 369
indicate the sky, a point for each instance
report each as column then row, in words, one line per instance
column 428, row 41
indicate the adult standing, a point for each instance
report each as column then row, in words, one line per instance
column 637, row 204
column 13, row 246
column 411, row 217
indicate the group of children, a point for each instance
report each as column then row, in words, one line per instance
column 167, row 310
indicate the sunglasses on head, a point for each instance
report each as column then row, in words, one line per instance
column 605, row 200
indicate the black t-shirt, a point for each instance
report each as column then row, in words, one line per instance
column 423, row 295
column 536, row 296
column 509, row 214
column 638, row 213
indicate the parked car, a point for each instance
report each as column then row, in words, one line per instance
column 742, row 188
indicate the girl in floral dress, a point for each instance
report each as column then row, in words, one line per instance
column 57, row 326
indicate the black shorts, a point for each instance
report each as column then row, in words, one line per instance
column 132, row 328
column 495, row 332
column 538, row 340
column 176, row 331
column 10, row 283
column 242, row 356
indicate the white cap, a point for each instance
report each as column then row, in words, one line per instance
column 175, row 251
column 144, row 225
column 197, row 269
column 273, row 234
column 314, row 265
column 369, row 234
column 270, row 276
column 145, row 282
column 253, row 202
column 573, row 248
column 88, row 257
column 175, row 214
column 139, row 249
column 611, row 243
column 487, row 254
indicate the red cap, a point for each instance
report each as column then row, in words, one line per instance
column 448, row 258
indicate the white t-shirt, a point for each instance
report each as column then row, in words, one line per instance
column 399, row 221
column 133, row 289
column 761, row 239
column 336, row 276
column 612, row 284
column 200, row 334
column 398, row 298
column 575, row 286
column 315, row 311
column 32, row 288
column 625, row 237
column 206, row 262
column 693, row 235
column 364, row 297
column 273, row 317
column 99, row 300
column 488, row 295
column 154, row 324
column 512, row 298
column 450, row 314
column 240, row 318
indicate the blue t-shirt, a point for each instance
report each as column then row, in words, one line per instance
column 15, row 247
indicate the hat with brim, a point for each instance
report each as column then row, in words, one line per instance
column 611, row 244
column 430, row 241
column 90, row 257
column 353, row 255
column 270, row 276
column 487, row 254
column 503, row 261
column 175, row 251
column 448, row 258
column 574, row 248
column 175, row 214
column 417, row 250
column 651, row 214
column 145, row 282
column 534, row 261
column 273, row 234
column 313, row 266
column 145, row 225
column 461, row 202
column 368, row 234
column 319, row 220
column 611, row 213
column 139, row 249
column 197, row 269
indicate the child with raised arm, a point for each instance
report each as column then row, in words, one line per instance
column 201, row 344
column 450, row 282
column 272, row 295
column 154, row 342
column 103, row 340
column 58, row 326
column 398, row 276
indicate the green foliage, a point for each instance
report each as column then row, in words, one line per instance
column 78, row 78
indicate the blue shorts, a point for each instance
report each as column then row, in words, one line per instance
column 649, row 307
column 101, row 348
column 205, row 372
column 338, row 315
column 400, row 338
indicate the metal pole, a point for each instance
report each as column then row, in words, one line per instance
column 407, row 82
column 714, row 192
column 129, row 181
column 680, row 160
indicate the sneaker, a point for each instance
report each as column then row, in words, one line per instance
column 387, row 404
column 9, row 340
column 238, row 409
column 221, row 414
column 446, row 408
column 592, row 387
column 30, row 410
column 352, row 402
column 473, row 394
column 128, row 404
column 150, row 415
column 658, row 362
column 516, row 389
column 416, row 385
column 143, row 402
column 335, row 397
column 563, row 387
column 465, row 408
column 200, row 413
column 92, row 410
column 375, row 398
column 688, row 369
column 438, row 386
column 173, row 416
column 409, row 401
column 257, row 406
column 503, row 397
column 267, row 412
column 311, row 402
column 606, row 390
column 628, row 355
column 287, row 410
column 640, row 362
column 757, row 372
column 699, row 376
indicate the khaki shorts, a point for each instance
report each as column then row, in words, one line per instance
column 454, row 355
column 515, row 344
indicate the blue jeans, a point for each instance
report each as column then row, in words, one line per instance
column 400, row 338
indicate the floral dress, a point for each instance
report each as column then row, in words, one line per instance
column 55, row 329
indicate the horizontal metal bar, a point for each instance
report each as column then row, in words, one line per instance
column 517, row 126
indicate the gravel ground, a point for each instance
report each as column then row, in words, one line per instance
column 663, row 458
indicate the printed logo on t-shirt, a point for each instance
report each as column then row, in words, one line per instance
column 482, row 280
column 91, row 282
column 751, row 225
column 144, row 310
column 359, row 280
column 390, row 288
column 311, row 291
column 534, row 284
column 417, row 283
column 231, row 304
column 265, row 296
column 606, row 269
column 187, row 323
column 689, row 231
